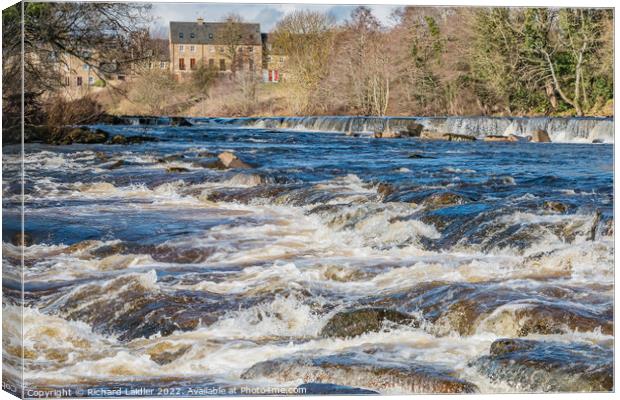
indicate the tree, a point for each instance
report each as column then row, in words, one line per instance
column 307, row 38
column 95, row 33
column 232, row 33
column 365, row 63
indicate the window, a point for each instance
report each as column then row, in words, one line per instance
column 222, row 65
column 162, row 64
column 121, row 77
column 192, row 63
column 210, row 36
column 211, row 49
column 211, row 63
column 251, row 37
column 250, row 49
column 268, row 58
column 182, row 64
column 281, row 59
column 181, row 48
column 91, row 80
column 85, row 67
column 192, row 35
column 221, row 50
column 67, row 81
column 180, row 35
column 192, row 49
column 78, row 81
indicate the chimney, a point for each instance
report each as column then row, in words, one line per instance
column 200, row 21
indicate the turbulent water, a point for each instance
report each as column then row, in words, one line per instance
column 142, row 275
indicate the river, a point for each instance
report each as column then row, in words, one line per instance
column 149, row 268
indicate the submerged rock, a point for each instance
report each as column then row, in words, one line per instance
column 541, row 366
column 357, row 322
column 176, row 169
column 540, row 136
column 230, row 160
column 315, row 388
column 113, row 164
column 353, row 370
column 21, row 239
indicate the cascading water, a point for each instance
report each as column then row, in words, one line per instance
column 563, row 130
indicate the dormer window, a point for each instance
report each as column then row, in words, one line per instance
column 192, row 35
column 210, row 36
column 180, row 35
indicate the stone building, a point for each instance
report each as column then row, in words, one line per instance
column 193, row 44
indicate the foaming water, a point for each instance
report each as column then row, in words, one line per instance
column 147, row 265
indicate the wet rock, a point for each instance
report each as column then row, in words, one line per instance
column 314, row 388
column 163, row 354
column 419, row 155
column 499, row 138
column 82, row 135
column 171, row 157
column 363, row 371
column 467, row 308
column 385, row 189
column 179, row 121
column 21, row 239
column 176, row 169
column 430, row 135
column 118, row 139
column 230, row 160
column 247, row 180
column 35, row 133
column 540, row 136
column 454, row 137
column 555, row 206
column 140, row 139
column 444, row 199
column 357, row 322
column 597, row 141
column 138, row 308
column 113, row 165
column 541, row 366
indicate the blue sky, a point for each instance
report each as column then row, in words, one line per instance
column 265, row 14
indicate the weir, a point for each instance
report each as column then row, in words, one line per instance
column 560, row 129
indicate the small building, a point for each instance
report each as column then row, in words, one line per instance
column 211, row 44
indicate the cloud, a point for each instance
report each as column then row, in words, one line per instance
column 266, row 14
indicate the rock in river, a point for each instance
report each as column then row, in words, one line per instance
column 357, row 322
column 540, row 136
column 361, row 371
column 230, row 160
column 541, row 366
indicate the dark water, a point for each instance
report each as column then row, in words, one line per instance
column 143, row 276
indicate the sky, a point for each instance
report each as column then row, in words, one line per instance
column 265, row 14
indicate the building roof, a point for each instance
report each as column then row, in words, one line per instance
column 212, row 33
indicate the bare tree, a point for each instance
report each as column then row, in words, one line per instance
column 307, row 38
column 232, row 33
